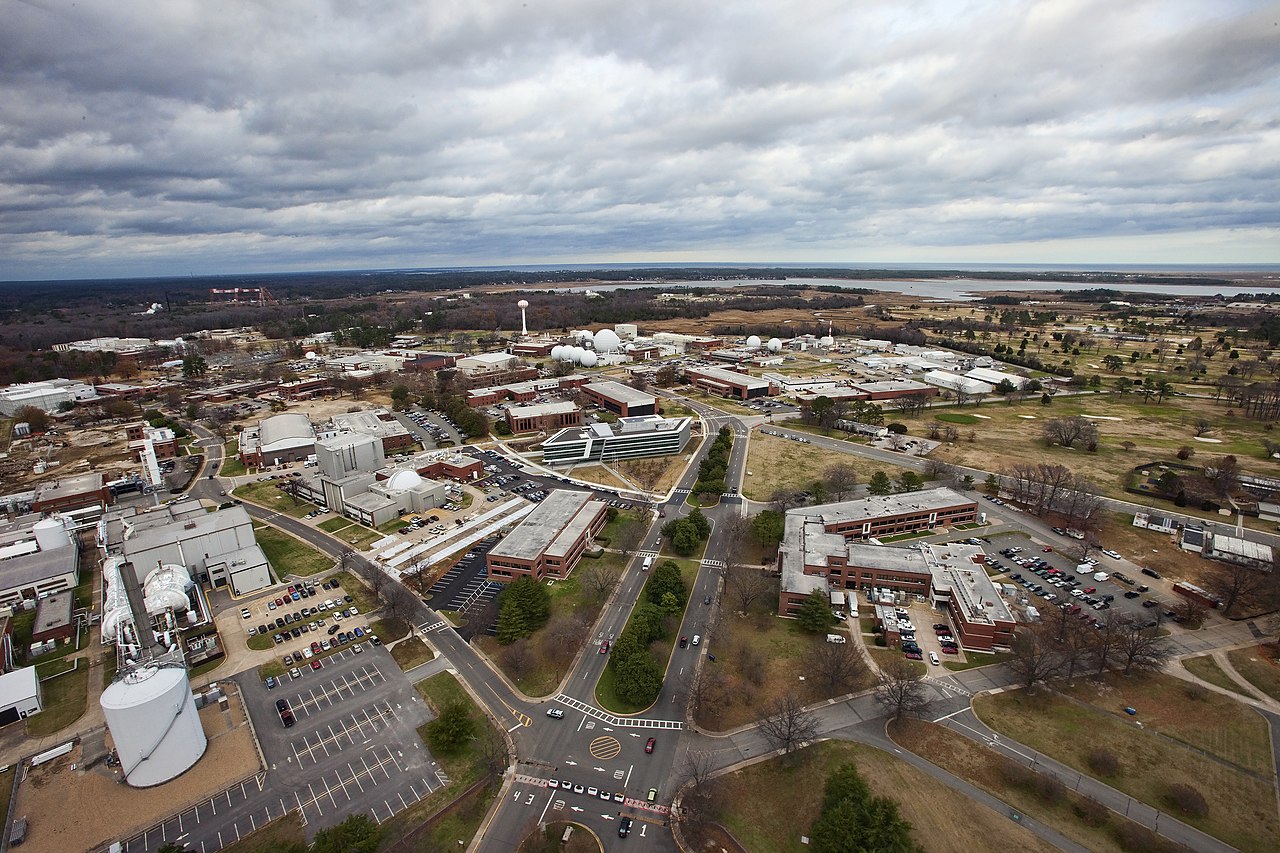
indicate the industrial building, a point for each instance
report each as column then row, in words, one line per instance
column 164, row 442
column 486, row 362
column 890, row 389
column 38, row 557
column 71, row 492
column 218, row 548
column 19, row 695
column 523, row 392
column 276, row 440
column 47, row 395
column 995, row 377
column 956, row 383
column 639, row 437
column 727, row 383
column 622, row 400
column 549, row 542
column 352, row 479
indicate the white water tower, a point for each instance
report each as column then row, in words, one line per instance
column 524, row 326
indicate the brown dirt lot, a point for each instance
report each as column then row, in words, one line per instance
column 106, row 810
column 779, row 462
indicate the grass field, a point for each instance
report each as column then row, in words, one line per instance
column 999, row 777
column 261, row 642
column 777, row 463
column 287, row 555
column 596, row 473
column 1207, row 668
column 267, row 495
column 333, row 525
column 1257, row 666
column 231, row 464
column 1157, row 431
column 361, row 595
column 957, row 418
column 669, row 475
column 389, row 629
column 64, row 701
column 770, row 805
column 412, row 652
column 973, row 660
column 283, row 833
column 761, row 657
column 1241, row 807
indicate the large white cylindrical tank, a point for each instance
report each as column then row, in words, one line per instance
column 606, row 340
column 588, row 359
column 51, row 533
column 753, row 342
column 826, row 341
column 153, row 721
column 775, row 345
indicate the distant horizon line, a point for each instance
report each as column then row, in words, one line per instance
column 623, row 265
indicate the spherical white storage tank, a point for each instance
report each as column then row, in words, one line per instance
column 585, row 336
column 775, row 345
column 50, row 533
column 588, row 359
column 606, row 340
column 153, row 721
column 753, row 342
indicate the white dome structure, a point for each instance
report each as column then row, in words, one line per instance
column 557, row 352
column 403, row 481
column 153, row 721
column 775, row 345
column 588, row 359
column 311, row 355
column 753, row 342
column 606, row 340
column 51, row 533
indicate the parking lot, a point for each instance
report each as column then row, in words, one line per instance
column 1050, row 579
column 353, row 748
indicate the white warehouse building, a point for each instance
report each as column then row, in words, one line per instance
column 955, row 382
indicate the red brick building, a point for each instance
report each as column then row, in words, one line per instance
column 551, row 540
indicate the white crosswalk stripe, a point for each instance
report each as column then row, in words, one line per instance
column 615, row 720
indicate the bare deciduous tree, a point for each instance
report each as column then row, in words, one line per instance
column 1234, row 584
column 517, row 659
column 834, row 668
column 745, row 586
column 1141, row 649
column 1105, row 641
column 840, row 480
column 784, row 499
column 1035, row 655
column 787, row 724
column 1066, row 432
column 598, row 579
column 901, row 692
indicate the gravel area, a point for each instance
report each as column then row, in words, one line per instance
column 73, row 809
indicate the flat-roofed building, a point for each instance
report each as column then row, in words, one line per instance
column 47, row 395
column 622, row 400
column 74, row 492
column 19, row 695
column 890, row 389
column 163, row 440
column 813, row 559
column 551, row 540
column 53, row 617
column 727, row 383
column 486, row 362
column 630, row 438
column 543, row 416
column 38, row 557
column 956, row 383
column 995, row 377
column 887, row 515
column 378, row 423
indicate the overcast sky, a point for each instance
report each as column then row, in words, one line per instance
column 189, row 136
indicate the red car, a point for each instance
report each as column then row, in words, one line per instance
column 648, row 747
column 604, row 647
column 950, row 650
column 315, row 664
column 914, row 656
column 1047, row 549
column 1090, row 590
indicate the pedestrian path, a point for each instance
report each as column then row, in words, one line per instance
column 613, row 720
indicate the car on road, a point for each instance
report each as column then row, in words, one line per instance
column 605, row 795
column 578, row 789
column 624, row 827
column 653, row 795
column 913, row 656
column 1151, row 573
column 684, row 641
column 697, row 639
column 553, row 783
column 619, row 798
column 555, row 713
column 604, row 647
column 649, row 745
column 593, row 791
column 706, row 599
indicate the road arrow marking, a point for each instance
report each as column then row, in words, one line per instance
column 576, row 808
column 572, row 763
column 601, row 769
column 608, row 817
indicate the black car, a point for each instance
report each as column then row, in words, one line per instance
column 624, row 827
column 1150, row 603
column 1131, row 594
column 1151, row 573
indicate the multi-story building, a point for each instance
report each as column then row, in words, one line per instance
column 727, row 383
column 887, row 515
column 74, row 492
column 378, row 423
column 639, row 437
column 543, row 416
column 38, row 557
column 551, row 540
column 276, row 440
column 163, row 440
column 622, row 400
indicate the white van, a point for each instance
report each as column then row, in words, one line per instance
column 933, row 658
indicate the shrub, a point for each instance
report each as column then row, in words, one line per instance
column 1017, row 775
column 1090, row 811
column 900, row 429
column 1187, row 800
column 1103, row 762
column 1050, row 789
column 880, row 641
column 1136, row 838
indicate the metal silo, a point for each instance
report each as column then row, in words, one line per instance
column 153, row 721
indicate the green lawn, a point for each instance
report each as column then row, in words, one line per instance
column 65, row 699
column 957, row 418
column 361, row 594
column 1257, row 666
column 333, row 525
column 389, row 629
column 973, row 660
column 231, row 464
column 1241, row 807
column 266, row 494
column 287, row 555
column 410, row 653
column 261, row 642
column 883, row 656
column 1207, row 668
